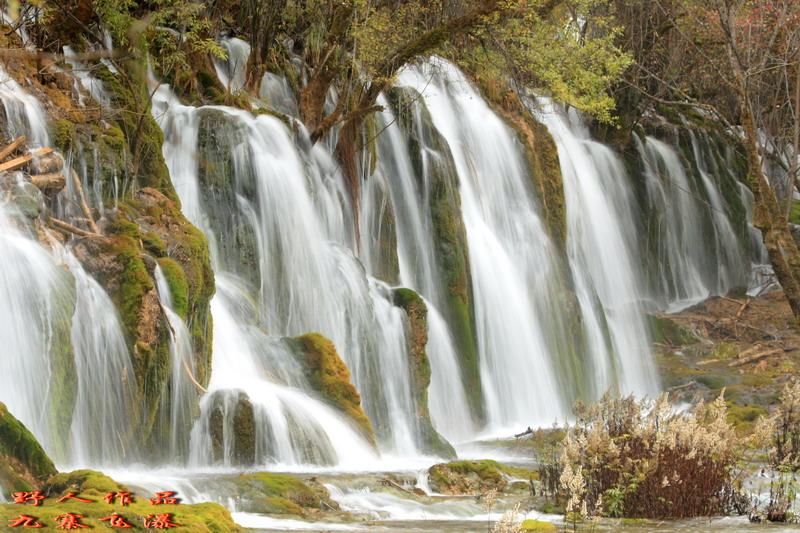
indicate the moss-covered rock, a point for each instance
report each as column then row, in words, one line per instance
column 269, row 493
column 233, row 414
column 666, row 331
column 63, row 374
column 146, row 231
column 143, row 137
column 89, row 482
column 417, row 314
column 330, row 377
column 23, row 463
column 220, row 137
column 537, row 525
column 473, row 477
column 185, row 247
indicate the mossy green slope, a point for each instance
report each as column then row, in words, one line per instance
column 23, row 463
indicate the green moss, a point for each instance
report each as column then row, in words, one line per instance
column 537, row 525
column 282, row 506
column 153, row 244
column 263, row 491
column 176, row 279
column 133, row 281
column 468, row 477
column 23, row 462
column 417, row 313
column 329, row 376
column 666, row 331
column 724, row 351
column 635, row 521
column 757, row 380
column 63, row 135
column 89, row 482
column 794, row 216
column 186, row 247
column 551, row 508
column 141, row 132
column 743, row 418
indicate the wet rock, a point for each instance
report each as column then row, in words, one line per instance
column 330, row 377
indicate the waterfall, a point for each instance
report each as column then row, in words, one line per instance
column 36, row 301
column 100, row 432
column 697, row 251
column 290, row 259
column 178, row 415
column 395, row 181
column 603, row 256
column 281, row 208
column 24, row 114
column 446, row 398
column 231, row 70
column 513, row 263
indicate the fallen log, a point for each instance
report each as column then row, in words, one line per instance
column 756, row 357
column 528, row 431
column 684, row 386
column 741, row 309
column 51, row 182
column 8, row 150
column 60, row 224
column 387, row 481
column 82, row 199
column 21, row 161
column 48, row 163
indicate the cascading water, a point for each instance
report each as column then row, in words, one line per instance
column 104, row 401
column 397, row 186
column 231, row 70
column 301, row 277
column 36, row 302
column 513, row 263
column 698, row 252
column 280, row 227
column 179, row 415
column 602, row 250
column 24, row 114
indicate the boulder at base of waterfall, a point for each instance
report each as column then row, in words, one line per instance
column 474, row 477
column 268, row 493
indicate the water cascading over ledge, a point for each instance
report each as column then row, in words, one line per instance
column 289, row 272
column 449, row 209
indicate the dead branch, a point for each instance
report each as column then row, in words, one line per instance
column 20, row 162
column 82, row 199
column 61, row 225
column 756, row 357
column 8, row 150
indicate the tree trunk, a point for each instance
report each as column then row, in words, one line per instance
column 767, row 214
